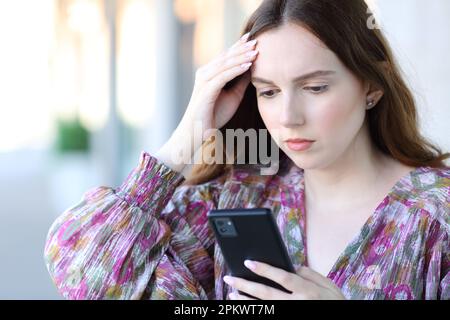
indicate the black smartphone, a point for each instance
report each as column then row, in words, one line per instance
column 250, row 234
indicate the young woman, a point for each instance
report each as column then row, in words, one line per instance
column 361, row 198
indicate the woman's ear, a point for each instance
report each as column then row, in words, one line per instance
column 373, row 97
column 373, row 92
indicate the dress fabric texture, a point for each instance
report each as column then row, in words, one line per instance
column 150, row 238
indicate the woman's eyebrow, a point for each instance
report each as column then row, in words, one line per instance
column 310, row 75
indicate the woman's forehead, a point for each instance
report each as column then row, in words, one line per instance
column 292, row 55
column 294, row 46
column 290, row 36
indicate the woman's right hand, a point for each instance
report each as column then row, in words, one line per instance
column 210, row 105
column 209, row 102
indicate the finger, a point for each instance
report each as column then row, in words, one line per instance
column 229, row 75
column 242, row 40
column 230, row 59
column 239, row 49
column 232, row 56
column 315, row 277
column 239, row 88
column 286, row 279
column 237, row 296
column 256, row 289
column 227, row 63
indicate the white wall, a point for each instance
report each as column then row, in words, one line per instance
column 419, row 32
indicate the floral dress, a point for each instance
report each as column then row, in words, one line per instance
column 150, row 238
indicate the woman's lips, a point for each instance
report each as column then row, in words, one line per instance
column 299, row 145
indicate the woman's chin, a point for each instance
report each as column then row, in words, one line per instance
column 301, row 161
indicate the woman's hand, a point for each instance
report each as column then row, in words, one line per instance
column 305, row 285
column 210, row 105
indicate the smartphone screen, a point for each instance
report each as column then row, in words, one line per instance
column 250, row 234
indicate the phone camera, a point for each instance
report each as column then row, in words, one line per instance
column 225, row 227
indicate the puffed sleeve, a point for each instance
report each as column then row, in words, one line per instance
column 133, row 242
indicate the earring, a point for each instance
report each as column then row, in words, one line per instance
column 370, row 104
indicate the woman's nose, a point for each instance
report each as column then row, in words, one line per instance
column 291, row 114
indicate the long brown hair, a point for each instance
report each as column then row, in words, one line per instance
column 343, row 26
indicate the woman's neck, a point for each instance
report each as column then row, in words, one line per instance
column 349, row 180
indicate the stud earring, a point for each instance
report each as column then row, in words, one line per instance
column 371, row 103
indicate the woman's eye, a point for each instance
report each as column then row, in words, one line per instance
column 317, row 89
column 264, row 94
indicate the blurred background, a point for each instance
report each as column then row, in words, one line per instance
column 86, row 85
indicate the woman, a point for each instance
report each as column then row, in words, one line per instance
column 362, row 205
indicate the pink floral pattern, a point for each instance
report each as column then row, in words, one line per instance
column 398, row 292
column 150, row 239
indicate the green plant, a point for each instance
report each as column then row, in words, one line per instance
column 71, row 136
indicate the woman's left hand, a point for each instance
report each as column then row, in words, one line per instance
column 305, row 285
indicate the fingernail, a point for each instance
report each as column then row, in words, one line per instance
column 250, row 264
column 245, row 36
column 228, row 280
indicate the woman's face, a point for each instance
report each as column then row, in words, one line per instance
column 328, row 107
